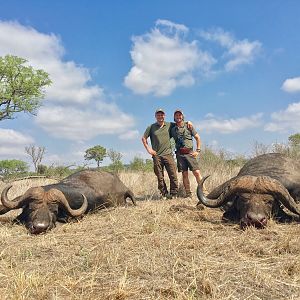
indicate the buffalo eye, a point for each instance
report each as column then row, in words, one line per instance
column 53, row 208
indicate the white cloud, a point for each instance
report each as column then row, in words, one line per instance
column 129, row 135
column 82, row 124
column 85, row 114
column 170, row 26
column 13, row 143
column 239, row 52
column 284, row 120
column 229, row 126
column 70, row 81
column 163, row 60
column 291, row 85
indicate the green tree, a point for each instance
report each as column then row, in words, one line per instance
column 115, row 158
column 148, row 165
column 12, row 166
column 96, row 153
column 294, row 140
column 21, row 87
column 294, row 145
column 137, row 164
column 42, row 169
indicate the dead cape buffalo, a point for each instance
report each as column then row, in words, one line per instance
column 77, row 194
column 263, row 187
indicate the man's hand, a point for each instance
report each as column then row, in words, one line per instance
column 194, row 154
column 189, row 125
column 152, row 152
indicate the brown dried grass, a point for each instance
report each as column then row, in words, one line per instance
column 157, row 250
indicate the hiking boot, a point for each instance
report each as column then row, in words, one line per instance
column 188, row 196
column 163, row 196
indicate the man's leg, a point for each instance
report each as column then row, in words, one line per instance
column 158, row 168
column 186, row 183
column 172, row 173
column 197, row 175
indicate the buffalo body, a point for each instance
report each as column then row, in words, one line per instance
column 264, row 186
column 75, row 195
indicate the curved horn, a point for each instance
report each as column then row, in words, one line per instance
column 265, row 185
column 16, row 203
column 60, row 197
column 214, row 202
column 251, row 184
column 279, row 192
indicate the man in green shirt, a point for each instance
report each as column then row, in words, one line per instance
column 185, row 155
column 161, row 152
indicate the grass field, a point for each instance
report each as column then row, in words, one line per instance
column 157, row 250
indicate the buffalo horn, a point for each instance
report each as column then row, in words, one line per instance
column 16, row 203
column 279, row 192
column 73, row 212
column 264, row 185
column 213, row 203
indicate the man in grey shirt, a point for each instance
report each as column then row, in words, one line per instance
column 185, row 155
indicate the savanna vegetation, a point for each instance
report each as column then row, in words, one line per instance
column 161, row 249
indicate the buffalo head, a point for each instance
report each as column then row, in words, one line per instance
column 250, row 199
column 40, row 207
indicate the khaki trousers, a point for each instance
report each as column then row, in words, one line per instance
column 161, row 162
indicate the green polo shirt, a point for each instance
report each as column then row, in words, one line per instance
column 183, row 136
column 160, row 137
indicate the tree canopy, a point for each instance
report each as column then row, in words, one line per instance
column 12, row 166
column 294, row 140
column 116, row 158
column 21, row 87
column 96, row 153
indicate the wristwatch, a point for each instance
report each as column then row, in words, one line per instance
column 198, row 150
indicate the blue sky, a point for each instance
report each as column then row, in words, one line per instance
column 233, row 67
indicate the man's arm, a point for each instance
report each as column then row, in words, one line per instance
column 147, row 147
column 198, row 141
column 189, row 125
column 198, row 145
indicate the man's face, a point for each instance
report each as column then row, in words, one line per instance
column 160, row 116
column 178, row 117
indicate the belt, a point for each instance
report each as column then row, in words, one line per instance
column 185, row 150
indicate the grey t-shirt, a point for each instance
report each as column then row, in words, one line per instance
column 183, row 136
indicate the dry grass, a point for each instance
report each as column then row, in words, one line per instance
column 157, row 250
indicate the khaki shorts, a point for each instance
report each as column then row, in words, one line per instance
column 186, row 162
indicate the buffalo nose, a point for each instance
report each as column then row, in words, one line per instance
column 257, row 220
column 39, row 228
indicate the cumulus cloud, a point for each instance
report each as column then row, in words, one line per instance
column 285, row 120
column 164, row 60
column 82, row 124
column 227, row 126
column 291, row 85
column 13, row 142
column 74, row 108
column 238, row 52
column 70, row 81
